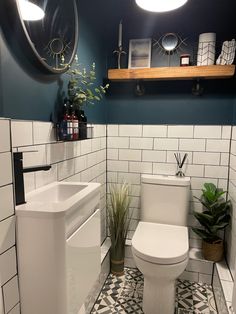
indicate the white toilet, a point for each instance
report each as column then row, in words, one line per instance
column 160, row 243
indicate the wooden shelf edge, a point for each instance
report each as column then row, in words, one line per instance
column 173, row 73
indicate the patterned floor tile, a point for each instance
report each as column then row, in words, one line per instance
column 124, row 294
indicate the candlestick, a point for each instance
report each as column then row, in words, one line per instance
column 120, row 35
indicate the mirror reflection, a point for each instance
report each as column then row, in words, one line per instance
column 51, row 28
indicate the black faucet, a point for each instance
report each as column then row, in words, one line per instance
column 19, row 178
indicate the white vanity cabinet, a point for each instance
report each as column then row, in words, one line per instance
column 58, row 249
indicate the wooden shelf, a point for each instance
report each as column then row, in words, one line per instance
column 173, row 73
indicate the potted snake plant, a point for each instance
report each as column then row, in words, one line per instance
column 214, row 218
column 118, row 222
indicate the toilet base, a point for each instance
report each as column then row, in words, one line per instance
column 158, row 297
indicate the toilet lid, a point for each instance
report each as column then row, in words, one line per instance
column 161, row 244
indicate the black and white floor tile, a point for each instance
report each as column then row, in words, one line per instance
column 124, row 295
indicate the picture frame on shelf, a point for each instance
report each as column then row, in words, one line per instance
column 140, row 53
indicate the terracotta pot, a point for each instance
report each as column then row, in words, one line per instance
column 213, row 251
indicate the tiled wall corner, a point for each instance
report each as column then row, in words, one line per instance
column 231, row 232
column 223, row 287
column 71, row 161
column 136, row 149
column 8, row 265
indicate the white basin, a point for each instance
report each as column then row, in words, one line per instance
column 57, row 193
column 57, row 198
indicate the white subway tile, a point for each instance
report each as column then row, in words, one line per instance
column 86, row 147
column 5, row 135
column 233, row 147
column 112, row 153
column 141, row 143
column 74, row 178
column 29, row 182
column 226, row 131
column 5, row 169
column 96, row 144
column 197, row 183
column 207, row 131
column 194, row 170
column 163, row 168
column 22, row 133
column 180, row 131
column 223, row 271
column 223, row 183
column 65, row 169
column 166, row 144
column 77, row 148
column 154, row 156
column 118, row 142
column 130, row 130
column 11, row 294
column 206, row 158
column 56, row 152
column 35, row 158
column 224, row 159
column 200, row 267
column 103, row 142
column 112, row 177
column 46, row 177
column 195, row 145
column 131, row 178
column 15, row 310
column 115, row 165
column 7, row 234
column 7, row 265
column 7, row 205
column 217, row 146
column 92, row 159
column 216, row 172
column 112, row 130
column 99, row 130
column 1, row 304
column 234, row 133
column 130, row 154
column 140, row 167
column 155, row 131
column 43, row 132
column 227, row 289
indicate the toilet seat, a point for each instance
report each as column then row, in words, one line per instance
column 160, row 243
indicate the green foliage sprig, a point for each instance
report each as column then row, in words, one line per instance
column 215, row 216
column 81, row 86
column 118, row 215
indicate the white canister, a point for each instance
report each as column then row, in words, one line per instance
column 206, row 49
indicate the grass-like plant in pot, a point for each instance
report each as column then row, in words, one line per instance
column 214, row 218
column 118, row 222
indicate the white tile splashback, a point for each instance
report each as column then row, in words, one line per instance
column 5, row 138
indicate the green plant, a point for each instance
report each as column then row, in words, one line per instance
column 215, row 216
column 118, row 218
column 81, row 86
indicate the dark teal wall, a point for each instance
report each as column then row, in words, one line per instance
column 29, row 94
column 169, row 101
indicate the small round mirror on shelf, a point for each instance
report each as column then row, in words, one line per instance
column 51, row 30
column 170, row 42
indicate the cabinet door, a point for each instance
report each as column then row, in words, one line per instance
column 83, row 254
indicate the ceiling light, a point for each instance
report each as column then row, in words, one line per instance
column 160, row 5
column 30, row 11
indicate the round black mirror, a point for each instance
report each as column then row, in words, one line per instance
column 51, row 30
